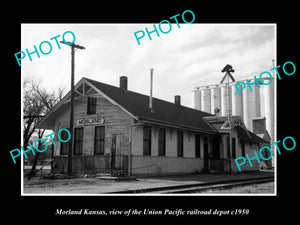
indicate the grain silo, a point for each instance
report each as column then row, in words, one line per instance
column 237, row 102
column 215, row 99
column 269, row 109
column 224, row 101
column 197, row 99
column 257, row 101
column 205, row 100
column 250, row 104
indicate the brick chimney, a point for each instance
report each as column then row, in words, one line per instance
column 123, row 82
column 177, row 100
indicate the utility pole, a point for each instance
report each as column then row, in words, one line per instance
column 73, row 46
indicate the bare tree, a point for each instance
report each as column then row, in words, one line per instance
column 32, row 111
column 37, row 102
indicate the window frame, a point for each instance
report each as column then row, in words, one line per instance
column 197, row 146
column 243, row 148
column 64, row 146
column 228, row 147
column 91, row 105
column 78, row 142
column 147, row 133
column 162, row 142
column 100, row 139
column 233, row 146
column 180, row 144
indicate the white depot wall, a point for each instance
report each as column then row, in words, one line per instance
column 165, row 165
column 170, row 163
column 171, row 142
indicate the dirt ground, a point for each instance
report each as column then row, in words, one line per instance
column 61, row 186
column 100, row 185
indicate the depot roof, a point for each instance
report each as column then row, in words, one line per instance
column 137, row 105
column 218, row 122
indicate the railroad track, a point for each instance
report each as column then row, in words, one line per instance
column 197, row 187
column 215, row 186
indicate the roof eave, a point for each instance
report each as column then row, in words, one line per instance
column 178, row 126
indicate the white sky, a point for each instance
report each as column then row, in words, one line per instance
column 189, row 56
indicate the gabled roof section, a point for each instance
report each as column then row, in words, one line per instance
column 164, row 112
column 218, row 121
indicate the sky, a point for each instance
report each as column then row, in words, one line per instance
column 186, row 57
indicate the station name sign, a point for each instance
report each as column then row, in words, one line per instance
column 90, row 121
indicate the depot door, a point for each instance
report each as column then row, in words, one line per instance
column 116, row 158
column 205, row 146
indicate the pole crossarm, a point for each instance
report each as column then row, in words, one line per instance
column 73, row 45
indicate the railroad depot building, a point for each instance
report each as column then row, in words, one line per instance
column 115, row 132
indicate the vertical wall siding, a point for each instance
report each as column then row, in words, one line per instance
column 170, row 163
column 117, row 122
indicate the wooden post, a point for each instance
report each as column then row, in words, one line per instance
column 73, row 46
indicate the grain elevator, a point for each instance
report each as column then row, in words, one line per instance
column 255, row 107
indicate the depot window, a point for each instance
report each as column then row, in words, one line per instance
column 162, row 142
column 179, row 143
column 233, row 148
column 78, row 141
column 99, row 140
column 147, row 140
column 91, row 106
column 197, row 145
column 64, row 146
